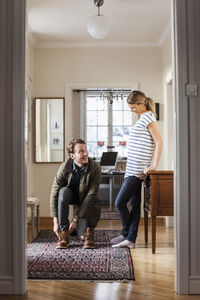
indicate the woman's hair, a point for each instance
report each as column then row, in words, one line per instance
column 137, row 97
column 72, row 144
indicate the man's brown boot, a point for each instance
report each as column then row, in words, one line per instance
column 89, row 239
column 63, row 240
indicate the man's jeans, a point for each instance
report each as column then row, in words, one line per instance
column 65, row 198
column 130, row 192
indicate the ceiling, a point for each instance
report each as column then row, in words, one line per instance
column 63, row 23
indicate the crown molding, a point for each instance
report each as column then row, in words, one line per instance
column 102, row 44
column 30, row 36
column 94, row 45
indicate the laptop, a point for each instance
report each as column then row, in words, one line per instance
column 108, row 161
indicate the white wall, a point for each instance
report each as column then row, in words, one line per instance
column 168, row 105
column 55, row 67
column 168, row 112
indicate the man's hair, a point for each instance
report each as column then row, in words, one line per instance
column 72, row 144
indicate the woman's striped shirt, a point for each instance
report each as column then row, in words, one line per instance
column 140, row 146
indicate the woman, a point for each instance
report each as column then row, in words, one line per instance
column 144, row 150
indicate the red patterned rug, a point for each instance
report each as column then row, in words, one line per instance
column 44, row 261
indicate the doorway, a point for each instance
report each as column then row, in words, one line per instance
column 18, row 243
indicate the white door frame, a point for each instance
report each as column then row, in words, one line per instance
column 181, row 176
column 12, row 154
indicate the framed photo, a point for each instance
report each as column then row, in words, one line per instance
column 56, row 126
column 56, row 141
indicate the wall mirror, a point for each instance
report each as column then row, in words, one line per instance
column 49, row 130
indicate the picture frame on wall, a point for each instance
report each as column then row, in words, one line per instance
column 56, row 141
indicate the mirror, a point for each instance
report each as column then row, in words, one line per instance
column 49, row 130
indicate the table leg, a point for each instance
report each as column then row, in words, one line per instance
column 33, row 222
column 111, row 192
column 146, row 226
column 38, row 218
column 153, row 234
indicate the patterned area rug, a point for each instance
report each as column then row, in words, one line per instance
column 76, row 263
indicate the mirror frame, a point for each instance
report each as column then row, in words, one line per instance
column 49, row 162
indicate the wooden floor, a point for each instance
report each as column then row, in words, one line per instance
column 154, row 275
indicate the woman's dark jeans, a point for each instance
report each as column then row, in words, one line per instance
column 130, row 191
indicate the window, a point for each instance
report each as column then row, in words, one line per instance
column 108, row 121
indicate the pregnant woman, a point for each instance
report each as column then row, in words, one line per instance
column 144, row 151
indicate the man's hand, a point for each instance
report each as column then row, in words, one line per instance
column 73, row 224
column 56, row 226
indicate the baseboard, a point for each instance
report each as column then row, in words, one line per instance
column 6, row 285
column 48, row 221
column 194, row 285
column 160, row 221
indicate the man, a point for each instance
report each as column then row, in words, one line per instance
column 77, row 183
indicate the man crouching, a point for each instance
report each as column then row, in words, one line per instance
column 76, row 183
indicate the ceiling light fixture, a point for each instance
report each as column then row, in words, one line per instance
column 98, row 26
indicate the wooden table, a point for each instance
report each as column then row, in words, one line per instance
column 158, row 200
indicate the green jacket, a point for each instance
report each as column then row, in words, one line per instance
column 88, row 189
